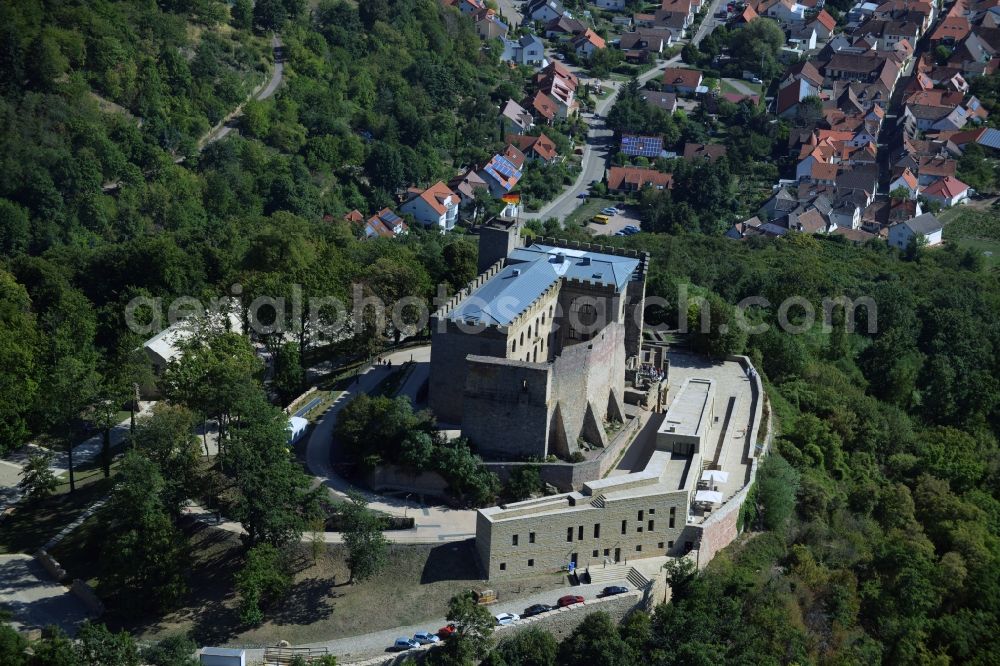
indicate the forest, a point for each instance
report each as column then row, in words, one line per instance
column 876, row 531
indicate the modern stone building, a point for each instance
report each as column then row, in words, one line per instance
column 633, row 516
column 530, row 359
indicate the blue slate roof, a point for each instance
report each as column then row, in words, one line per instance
column 530, row 272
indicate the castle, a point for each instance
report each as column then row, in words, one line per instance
column 530, row 359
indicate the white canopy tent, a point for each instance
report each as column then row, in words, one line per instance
column 715, row 476
column 708, row 496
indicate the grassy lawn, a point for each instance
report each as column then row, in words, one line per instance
column 977, row 230
column 34, row 522
column 728, row 87
column 415, row 587
column 587, row 210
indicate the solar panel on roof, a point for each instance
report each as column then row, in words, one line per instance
column 391, row 217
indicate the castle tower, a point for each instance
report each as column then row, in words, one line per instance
column 497, row 239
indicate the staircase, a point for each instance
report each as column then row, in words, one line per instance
column 616, row 572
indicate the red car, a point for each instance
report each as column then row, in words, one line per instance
column 569, row 600
column 446, row 632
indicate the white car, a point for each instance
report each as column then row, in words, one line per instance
column 426, row 638
column 504, row 619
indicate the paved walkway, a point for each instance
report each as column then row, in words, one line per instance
column 432, row 524
column 33, row 599
column 85, row 453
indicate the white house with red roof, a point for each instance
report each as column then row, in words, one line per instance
column 948, row 191
column 437, row 206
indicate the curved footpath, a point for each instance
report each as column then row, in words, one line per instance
column 432, row 524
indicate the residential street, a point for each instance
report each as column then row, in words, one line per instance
column 595, row 154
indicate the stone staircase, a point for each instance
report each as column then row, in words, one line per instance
column 616, row 572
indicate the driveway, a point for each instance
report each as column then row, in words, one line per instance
column 34, row 600
column 596, row 152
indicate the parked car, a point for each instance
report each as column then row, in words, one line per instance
column 446, row 631
column 558, row 56
column 620, row 233
column 569, row 600
column 610, row 210
column 583, row 195
column 613, row 590
column 537, row 609
column 504, row 619
column 425, row 638
column 403, row 644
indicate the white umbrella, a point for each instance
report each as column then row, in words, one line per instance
column 710, row 496
column 711, row 475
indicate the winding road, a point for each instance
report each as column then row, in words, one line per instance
column 277, row 76
column 596, row 153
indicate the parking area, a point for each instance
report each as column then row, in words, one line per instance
column 616, row 223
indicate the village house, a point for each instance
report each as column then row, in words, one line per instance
column 435, row 207
column 633, row 179
column 681, row 80
column 947, row 191
column 925, row 226
column 514, row 119
column 536, row 148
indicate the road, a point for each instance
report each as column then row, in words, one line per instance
column 374, row 644
column 277, row 76
column 596, row 153
column 709, row 23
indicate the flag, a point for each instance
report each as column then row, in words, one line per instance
column 512, row 198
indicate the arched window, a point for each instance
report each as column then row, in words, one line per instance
column 522, row 337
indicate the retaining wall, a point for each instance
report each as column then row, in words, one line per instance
column 571, row 476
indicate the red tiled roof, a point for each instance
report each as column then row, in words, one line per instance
column 435, row 196
column 543, row 105
column 826, row 20
column 638, row 177
column 947, row 187
column 710, row 151
column 355, row 216
column 681, row 76
column 541, row 145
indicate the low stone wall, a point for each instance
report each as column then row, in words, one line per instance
column 51, row 566
column 571, row 476
column 87, row 595
column 396, row 478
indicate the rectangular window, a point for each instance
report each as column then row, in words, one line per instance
column 638, row 548
column 670, row 544
column 607, row 551
column 650, row 526
column 514, row 540
column 660, row 545
column 569, row 534
column 597, row 530
column 531, row 563
column 579, row 533
column 639, row 529
column 652, row 511
column 594, row 554
column 624, row 526
column 531, row 537
column 503, row 566
column 673, row 513
column 640, row 516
